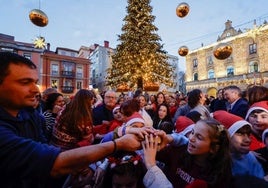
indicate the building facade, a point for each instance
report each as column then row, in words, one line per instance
column 8, row 43
column 101, row 59
column 62, row 69
column 246, row 65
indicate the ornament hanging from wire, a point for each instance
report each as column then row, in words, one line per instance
column 40, row 19
column 182, row 10
column 222, row 51
column 183, row 51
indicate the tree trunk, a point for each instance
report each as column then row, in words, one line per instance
column 140, row 83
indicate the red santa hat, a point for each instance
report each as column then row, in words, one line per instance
column 230, row 121
column 183, row 125
column 262, row 105
column 264, row 135
column 134, row 118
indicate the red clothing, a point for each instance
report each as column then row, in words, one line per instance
column 101, row 129
column 114, row 124
column 172, row 110
column 256, row 143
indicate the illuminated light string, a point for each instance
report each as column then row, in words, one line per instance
column 193, row 41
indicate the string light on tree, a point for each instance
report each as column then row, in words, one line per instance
column 140, row 53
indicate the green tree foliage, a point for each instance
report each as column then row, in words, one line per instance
column 139, row 59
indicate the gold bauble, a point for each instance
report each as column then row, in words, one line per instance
column 222, row 51
column 183, row 51
column 38, row 18
column 182, row 10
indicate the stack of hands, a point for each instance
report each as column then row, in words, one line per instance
column 147, row 138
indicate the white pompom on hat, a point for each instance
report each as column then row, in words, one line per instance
column 232, row 122
column 262, row 105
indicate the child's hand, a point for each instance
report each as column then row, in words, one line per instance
column 140, row 132
column 163, row 139
column 149, row 146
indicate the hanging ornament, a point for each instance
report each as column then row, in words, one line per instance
column 182, row 10
column 183, row 51
column 222, row 51
column 38, row 17
column 40, row 42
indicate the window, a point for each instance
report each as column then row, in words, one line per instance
column 253, row 67
column 195, row 76
column 72, row 54
column 27, row 55
column 79, row 85
column 68, row 82
column 211, row 74
column 55, row 69
column 79, row 72
column 210, row 60
column 54, row 83
column 230, row 71
column 68, row 67
column 253, row 48
column 195, row 63
column 94, row 73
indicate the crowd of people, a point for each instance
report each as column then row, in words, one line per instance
column 132, row 140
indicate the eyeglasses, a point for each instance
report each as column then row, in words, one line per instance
column 110, row 97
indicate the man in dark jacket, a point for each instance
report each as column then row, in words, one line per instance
column 238, row 105
column 26, row 160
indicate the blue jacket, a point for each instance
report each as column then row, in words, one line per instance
column 26, row 159
column 240, row 108
column 101, row 113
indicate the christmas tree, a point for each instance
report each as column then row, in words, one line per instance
column 139, row 59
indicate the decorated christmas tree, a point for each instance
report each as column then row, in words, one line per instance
column 139, row 60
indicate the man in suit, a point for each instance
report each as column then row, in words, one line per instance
column 238, row 105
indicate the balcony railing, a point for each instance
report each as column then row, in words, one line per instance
column 67, row 89
column 68, row 74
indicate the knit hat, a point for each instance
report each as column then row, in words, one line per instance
column 262, row 105
column 183, row 125
column 116, row 108
column 230, row 121
column 264, row 135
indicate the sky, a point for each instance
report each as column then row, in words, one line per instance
column 76, row 23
